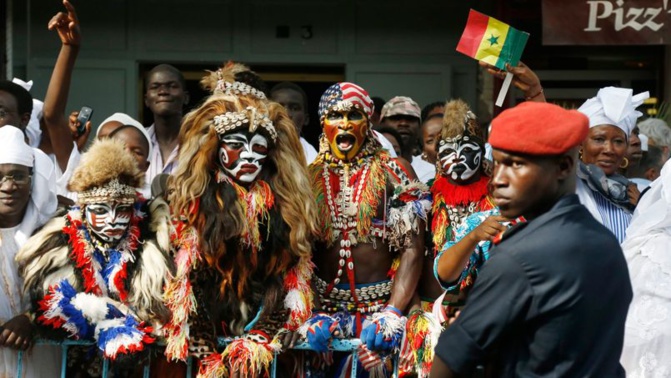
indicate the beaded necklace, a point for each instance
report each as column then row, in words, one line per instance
column 344, row 209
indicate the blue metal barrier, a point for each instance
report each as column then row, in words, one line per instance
column 337, row 345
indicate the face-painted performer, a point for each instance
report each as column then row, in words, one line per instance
column 459, row 190
column 373, row 210
column 243, row 218
column 98, row 271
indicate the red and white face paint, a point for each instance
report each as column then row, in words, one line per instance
column 108, row 222
column 242, row 155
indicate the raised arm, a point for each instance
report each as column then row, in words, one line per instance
column 55, row 120
column 524, row 79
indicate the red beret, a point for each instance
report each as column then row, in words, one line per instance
column 538, row 128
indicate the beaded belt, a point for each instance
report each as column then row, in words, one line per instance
column 378, row 291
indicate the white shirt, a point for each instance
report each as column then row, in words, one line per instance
column 424, row 170
column 62, row 178
column 156, row 164
column 309, row 151
column 386, row 144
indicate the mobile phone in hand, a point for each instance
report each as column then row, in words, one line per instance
column 84, row 116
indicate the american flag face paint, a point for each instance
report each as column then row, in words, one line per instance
column 242, row 155
column 346, row 132
column 108, row 222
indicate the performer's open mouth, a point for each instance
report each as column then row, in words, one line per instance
column 345, row 142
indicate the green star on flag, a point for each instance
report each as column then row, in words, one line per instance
column 493, row 40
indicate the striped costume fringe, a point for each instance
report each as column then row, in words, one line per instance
column 298, row 299
column 422, row 332
column 179, row 296
column 85, row 315
column 255, row 203
column 247, row 357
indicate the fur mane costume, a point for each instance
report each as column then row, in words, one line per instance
column 242, row 252
column 95, row 291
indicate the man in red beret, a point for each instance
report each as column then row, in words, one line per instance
column 552, row 299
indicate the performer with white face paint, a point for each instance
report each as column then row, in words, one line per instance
column 242, row 155
column 459, row 191
column 244, row 216
column 460, row 158
column 97, row 273
column 109, row 222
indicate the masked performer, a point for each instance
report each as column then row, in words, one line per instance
column 97, row 272
column 243, row 220
column 373, row 213
column 459, row 191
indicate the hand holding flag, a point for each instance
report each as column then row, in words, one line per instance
column 494, row 42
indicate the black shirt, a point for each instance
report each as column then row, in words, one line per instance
column 551, row 302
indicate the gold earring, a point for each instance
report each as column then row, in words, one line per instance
column 625, row 162
column 580, row 154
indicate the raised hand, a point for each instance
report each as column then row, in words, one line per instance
column 67, row 25
column 74, row 124
column 523, row 78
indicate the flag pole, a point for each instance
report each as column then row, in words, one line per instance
column 504, row 89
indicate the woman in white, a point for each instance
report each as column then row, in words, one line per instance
column 26, row 172
column 647, row 339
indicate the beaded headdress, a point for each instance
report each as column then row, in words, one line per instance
column 238, row 88
column 229, row 80
column 107, row 172
column 228, row 121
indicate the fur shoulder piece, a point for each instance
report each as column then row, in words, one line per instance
column 43, row 255
column 146, row 286
column 160, row 225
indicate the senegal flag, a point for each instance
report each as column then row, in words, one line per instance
column 490, row 40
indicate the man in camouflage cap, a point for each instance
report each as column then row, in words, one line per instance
column 403, row 114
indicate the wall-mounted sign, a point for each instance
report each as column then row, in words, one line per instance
column 606, row 22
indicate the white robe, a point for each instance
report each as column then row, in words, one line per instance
column 647, row 335
column 43, row 360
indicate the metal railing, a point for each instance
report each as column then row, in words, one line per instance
column 337, row 345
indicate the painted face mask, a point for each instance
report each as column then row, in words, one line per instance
column 242, row 155
column 108, row 222
column 460, row 158
column 346, row 132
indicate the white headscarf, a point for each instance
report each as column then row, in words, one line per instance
column 42, row 205
column 126, row 120
column 614, row 106
column 33, row 130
